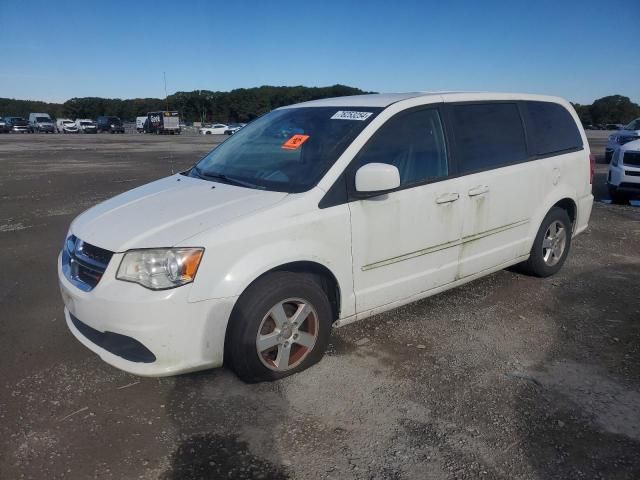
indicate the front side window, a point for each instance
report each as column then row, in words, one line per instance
column 414, row 143
column 487, row 136
column 286, row 150
column 551, row 128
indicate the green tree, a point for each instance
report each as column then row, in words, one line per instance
column 614, row 109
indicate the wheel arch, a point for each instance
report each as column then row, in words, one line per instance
column 570, row 206
column 328, row 282
column 564, row 200
column 325, row 277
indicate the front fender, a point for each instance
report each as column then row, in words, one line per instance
column 322, row 237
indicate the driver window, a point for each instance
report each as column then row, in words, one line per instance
column 414, row 143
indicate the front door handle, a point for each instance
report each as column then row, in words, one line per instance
column 479, row 190
column 448, row 197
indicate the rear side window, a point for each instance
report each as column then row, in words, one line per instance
column 551, row 128
column 414, row 143
column 487, row 136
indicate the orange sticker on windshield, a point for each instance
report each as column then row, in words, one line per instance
column 295, row 142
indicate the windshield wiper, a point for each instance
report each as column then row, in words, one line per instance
column 226, row 179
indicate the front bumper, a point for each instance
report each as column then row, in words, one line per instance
column 624, row 178
column 182, row 336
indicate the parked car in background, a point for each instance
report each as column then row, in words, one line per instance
column 233, row 128
column 161, row 123
column 41, row 122
column 110, row 124
column 366, row 203
column 66, row 125
column 3, row 126
column 623, row 178
column 215, row 129
column 140, row 121
column 86, row 125
column 18, row 125
column 627, row 134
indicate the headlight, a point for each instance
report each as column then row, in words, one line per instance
column 614, row 157
column 160, row 268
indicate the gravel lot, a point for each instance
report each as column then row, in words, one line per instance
column 509, row 377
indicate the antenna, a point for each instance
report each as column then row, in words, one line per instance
column 166, row 98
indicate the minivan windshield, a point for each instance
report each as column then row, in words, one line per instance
column 286, row 150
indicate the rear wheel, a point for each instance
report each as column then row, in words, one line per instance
column 551, row 245
column 280, row 325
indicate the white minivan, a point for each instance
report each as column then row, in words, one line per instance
column 320, row 214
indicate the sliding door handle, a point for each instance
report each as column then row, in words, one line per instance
column 448, row 197
column 479, row 190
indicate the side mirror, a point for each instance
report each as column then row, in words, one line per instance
column 377, row 178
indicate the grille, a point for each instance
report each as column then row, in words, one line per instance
column 631, row 158
column 84, row 264
column 631, row 173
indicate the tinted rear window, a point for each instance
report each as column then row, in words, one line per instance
column 487, row 136
column 551, row 128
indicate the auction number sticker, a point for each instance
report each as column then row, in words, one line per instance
column 295, row 142
column 348, row 115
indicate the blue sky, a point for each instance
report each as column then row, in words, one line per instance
column 55, row 50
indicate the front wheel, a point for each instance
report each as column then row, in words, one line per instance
column 280, row 325
column 551, row 245
column 617, row 197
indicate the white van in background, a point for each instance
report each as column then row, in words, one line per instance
column 41, row 122
column 317, row 215
column 140, row 123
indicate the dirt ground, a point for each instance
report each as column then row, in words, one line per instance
column 509, row 377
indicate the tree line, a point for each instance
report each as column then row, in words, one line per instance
column 611, row 109
column 240, row 105
column 245, row 104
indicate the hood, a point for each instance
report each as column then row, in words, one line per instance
column 631, row 146
column 165, row 212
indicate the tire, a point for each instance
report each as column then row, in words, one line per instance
column 546, row 261
column 617, row 197
column 254, row 317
